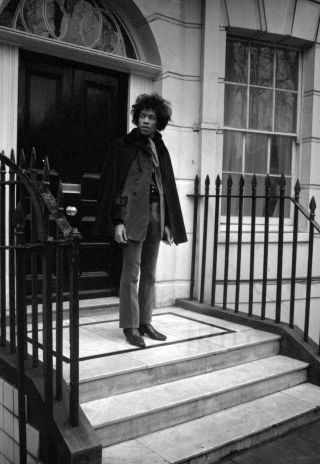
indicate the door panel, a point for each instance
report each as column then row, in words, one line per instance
column 100, row 116
column 71, row 113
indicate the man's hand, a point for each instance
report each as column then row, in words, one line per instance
column 168, row 236
column 120, row 234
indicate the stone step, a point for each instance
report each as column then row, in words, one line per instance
column 138, row 369
column 129, row 415
column 210, row 438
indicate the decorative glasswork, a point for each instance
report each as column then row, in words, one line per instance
column 88, row 23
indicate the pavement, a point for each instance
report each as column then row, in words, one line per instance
column 301, row 446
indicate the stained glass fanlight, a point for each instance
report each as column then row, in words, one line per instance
column 88, row 23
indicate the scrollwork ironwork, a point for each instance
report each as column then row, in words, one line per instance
column 87, row 23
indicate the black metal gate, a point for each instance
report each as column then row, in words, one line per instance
column 37, row 239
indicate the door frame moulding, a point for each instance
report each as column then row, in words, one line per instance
column 77, row 53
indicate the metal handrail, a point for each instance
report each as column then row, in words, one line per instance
column 32, row 204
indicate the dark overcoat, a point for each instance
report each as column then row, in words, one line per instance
column 118, row 161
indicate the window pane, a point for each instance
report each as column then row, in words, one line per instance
column 260, row 109
column 237, row 62
column 285, row 112
column 261, row 66
column 287, row 69
column 235, row 106
column 256, row 159
column 280, row 157
column 232, row 151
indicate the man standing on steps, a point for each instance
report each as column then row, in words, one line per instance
column 139, row 206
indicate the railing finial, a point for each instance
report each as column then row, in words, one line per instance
column 45, row 175
column 241, row 181
column 297, row 188
column 312, row 206
column 282, row 182
column 33, row 158
column 207, row 181
column 229, row 182
column 12, row 156
column 218, row 182
column 267, row 182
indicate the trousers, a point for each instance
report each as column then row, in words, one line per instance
column 140, row 260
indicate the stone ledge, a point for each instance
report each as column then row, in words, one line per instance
column 292, row 343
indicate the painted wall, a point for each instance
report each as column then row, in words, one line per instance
column 176, row 26
column 191, row 39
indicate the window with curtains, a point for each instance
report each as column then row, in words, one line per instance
column 260, row 119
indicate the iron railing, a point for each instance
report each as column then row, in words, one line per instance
column 208, row 221
column 37, row 240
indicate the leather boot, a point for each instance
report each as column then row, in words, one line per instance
column 134, row 338
column 151, row 332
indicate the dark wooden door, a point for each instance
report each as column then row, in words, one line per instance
column 71, row 113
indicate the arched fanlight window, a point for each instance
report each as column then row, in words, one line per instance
column 88, row 23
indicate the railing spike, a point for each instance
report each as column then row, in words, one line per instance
column 207, row 181
column 241, row 181
column 46, row 163
column 196, row 181
column 254, row 181
column 45, row 174
column 12, row 156
column 22, row 159
column 218, row 181
column 229, row 181
column 33, row 158
column 282, row 181
column 267, row 182
column 312, row 205
column 45, row 169
column 297, row 188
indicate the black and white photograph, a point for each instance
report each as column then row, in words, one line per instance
column 159, row 231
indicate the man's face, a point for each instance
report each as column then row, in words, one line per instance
column 147, row 122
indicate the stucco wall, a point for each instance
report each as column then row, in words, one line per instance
column 176, row 26
column 189, row 41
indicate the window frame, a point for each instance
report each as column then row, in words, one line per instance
column 295, row 136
